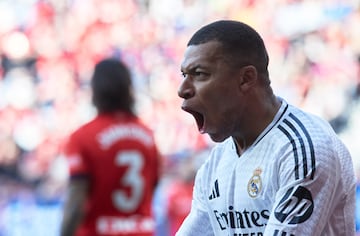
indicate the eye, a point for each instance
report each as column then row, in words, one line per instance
column 195, row 74
column 200, row 74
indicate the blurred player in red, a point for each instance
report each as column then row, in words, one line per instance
column 113, row 163
column 179, row 194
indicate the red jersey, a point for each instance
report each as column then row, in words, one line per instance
column 179, row 203
column 119, row 157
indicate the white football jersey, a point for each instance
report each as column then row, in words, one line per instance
column 297, row 179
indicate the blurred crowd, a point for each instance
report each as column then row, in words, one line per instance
column 49, row 47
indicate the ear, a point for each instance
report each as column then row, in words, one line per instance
column 249, row 77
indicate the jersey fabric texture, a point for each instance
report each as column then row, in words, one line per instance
column 296, row 179
column 117, row 154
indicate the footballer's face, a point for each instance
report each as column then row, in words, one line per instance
column 211, row 91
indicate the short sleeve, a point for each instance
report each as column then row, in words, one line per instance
column 76, row 161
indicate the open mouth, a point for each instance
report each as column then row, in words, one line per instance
column 199, row 118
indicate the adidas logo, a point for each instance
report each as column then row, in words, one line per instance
column 215, row 191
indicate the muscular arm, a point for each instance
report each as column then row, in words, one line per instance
column 74, row 206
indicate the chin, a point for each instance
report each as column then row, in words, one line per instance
column 217, row 138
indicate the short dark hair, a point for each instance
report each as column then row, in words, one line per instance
column 240, row 43
column 111, row 86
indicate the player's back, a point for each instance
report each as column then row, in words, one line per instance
column 120, row 160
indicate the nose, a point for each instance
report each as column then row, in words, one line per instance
column 186, row 90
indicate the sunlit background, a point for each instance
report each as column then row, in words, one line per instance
column 48, row 50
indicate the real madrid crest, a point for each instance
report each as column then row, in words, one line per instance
column 254, row 186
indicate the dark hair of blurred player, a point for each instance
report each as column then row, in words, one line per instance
column 111, row 94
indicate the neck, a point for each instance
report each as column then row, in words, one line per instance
column 240, row 148
column 257, row 123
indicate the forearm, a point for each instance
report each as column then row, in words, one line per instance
column 73, row 212
column 71, row 220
